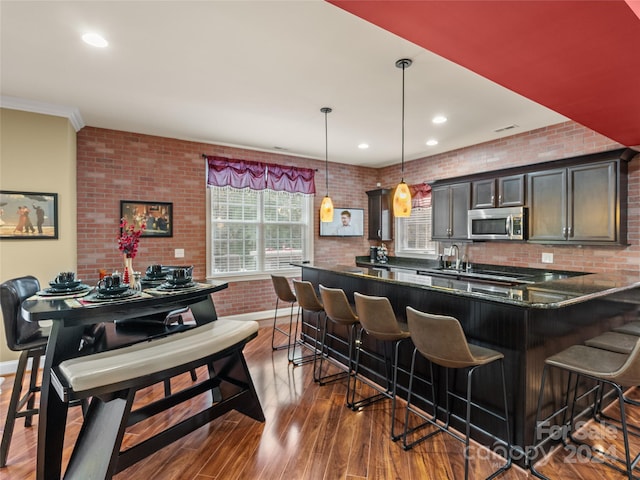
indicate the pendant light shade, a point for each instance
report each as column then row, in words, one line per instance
column 326, row 208
column 402, row 195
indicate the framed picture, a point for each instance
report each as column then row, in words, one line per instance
column 347, row 222
column 28, row 215
column 156, row 216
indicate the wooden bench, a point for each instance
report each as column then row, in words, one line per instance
column 111, row 379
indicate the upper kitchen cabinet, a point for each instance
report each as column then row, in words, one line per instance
column 380, row 215
column 507, row 191
column 578, row 204
column 450, row 204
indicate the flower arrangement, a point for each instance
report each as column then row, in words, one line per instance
column 129, row 238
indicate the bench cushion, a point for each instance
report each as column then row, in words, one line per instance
column 141, row 359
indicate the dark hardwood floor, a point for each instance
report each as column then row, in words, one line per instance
column 308, row 434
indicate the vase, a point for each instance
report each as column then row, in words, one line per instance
column 127, row 276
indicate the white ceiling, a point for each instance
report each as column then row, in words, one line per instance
column 252, row 74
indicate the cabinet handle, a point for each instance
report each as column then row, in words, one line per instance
column 380, row 233
column 564, row 232
column 492, row 199
column 570, row 232
column 499, row 199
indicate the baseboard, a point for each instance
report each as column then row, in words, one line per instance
column 264, row 318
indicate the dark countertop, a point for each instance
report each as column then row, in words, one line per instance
column 551, row 289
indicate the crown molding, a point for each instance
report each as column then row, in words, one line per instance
column 71, row 113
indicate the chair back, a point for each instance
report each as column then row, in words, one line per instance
column 440, row 339
column 306, row 295
column 377, row 317
column 21, row 334
column 336, row 306
column 629, row 373
column 283, row 289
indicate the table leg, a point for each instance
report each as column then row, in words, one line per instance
column 63, row 343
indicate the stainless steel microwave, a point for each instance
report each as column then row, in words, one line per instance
column 497, row 223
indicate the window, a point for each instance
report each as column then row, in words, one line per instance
column 413, row 234
column 258, row 231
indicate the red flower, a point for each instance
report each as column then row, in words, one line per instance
column 129, row 238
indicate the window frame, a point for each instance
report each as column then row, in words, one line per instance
column 307, row 253
column 400, row 244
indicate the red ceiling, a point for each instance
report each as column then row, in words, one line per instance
column 579, row 58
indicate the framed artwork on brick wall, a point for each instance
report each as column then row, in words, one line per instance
column 156, row 216
column 28, row 215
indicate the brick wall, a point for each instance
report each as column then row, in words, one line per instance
column 115, row 165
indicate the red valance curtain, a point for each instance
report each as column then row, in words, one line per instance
column 291, row 179
column 227, row 172
column 223, row 172
column 420, row 195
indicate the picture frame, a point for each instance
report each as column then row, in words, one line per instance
column 347, row 222
column 157, row 216
column 28, row 215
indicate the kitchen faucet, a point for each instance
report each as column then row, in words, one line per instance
column 457, row 264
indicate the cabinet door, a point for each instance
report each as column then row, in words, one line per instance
column 440, row 212
column 511, row 191
column 460, row 201
column 547, row 205
column 380, row 216
column 484, row 193
column 592, row 203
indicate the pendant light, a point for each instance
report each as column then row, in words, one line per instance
column 402, row 196
column 326, row 209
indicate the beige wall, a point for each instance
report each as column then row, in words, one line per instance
column 38, row 154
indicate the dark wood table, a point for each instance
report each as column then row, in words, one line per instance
column 70, row 318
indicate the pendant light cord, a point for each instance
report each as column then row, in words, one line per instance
column 326, row 110
column 402, row 168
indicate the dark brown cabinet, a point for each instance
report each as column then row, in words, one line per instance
column 450, row 204
column 505, row 191
column 380, row 215
column 578, row 204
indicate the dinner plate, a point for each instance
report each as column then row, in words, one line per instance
column 63, row 291
column 179, row 281
column 113, row 290
column 171, row 286
column 65, row 286
column 114, row 296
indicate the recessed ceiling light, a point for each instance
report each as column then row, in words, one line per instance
column 432, row 142
column 95, row 40
column 363, row 146
column 439, row 119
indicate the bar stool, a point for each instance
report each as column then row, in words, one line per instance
column 283, row 294
column 441, row 340
column 631, row 328
column 307, row 301
column 379, row 321
column 338, row 310
column 602, row 366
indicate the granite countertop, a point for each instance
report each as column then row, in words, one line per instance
column 553, row 290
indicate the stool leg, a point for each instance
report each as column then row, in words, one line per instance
column 33, row 388
column 394, row 387
column 507, row 465
column 13, row 408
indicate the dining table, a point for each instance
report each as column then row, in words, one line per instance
column 73, row 315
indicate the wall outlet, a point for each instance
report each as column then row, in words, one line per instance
column 179, row 253
column 547, row 258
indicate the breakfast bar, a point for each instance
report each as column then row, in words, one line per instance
column 527, row 322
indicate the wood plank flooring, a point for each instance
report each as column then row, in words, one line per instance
column 308, row 434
